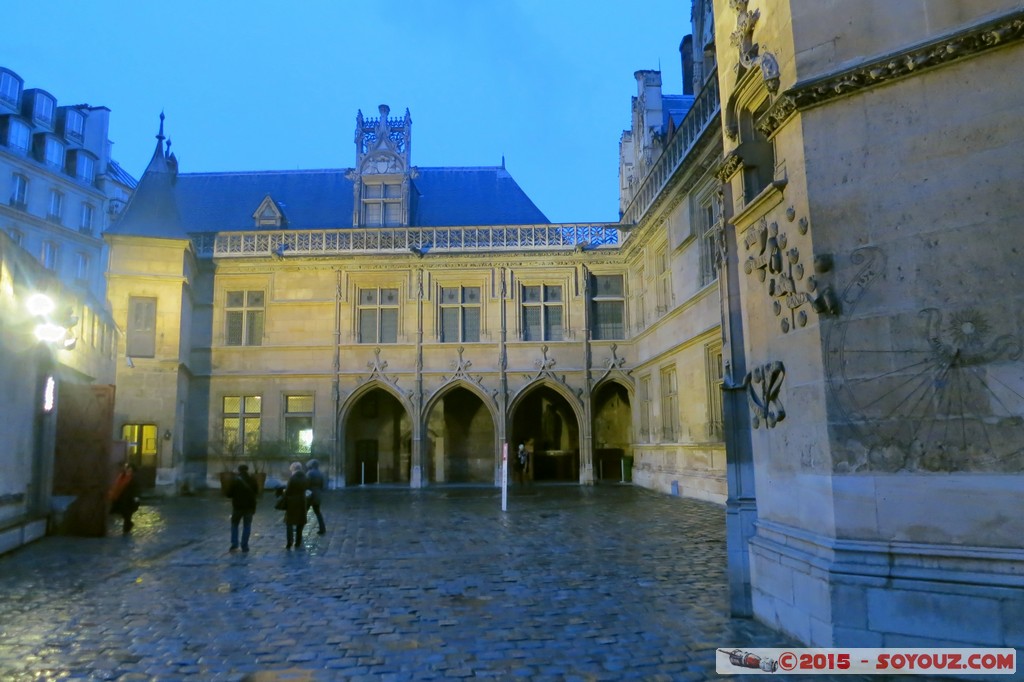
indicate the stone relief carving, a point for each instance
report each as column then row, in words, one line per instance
column 784, row 275
column 763, row 386
column 614, row 364
column 729, row 166
column 545, row 369
column 461, row 370
column 937, row 391
column 378, row 370
column 749, row 53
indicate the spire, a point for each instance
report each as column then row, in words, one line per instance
column 158, row 164
column 153, row 209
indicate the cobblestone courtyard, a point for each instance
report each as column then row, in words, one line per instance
column 572, row 583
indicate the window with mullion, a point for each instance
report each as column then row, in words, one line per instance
column 378, row 316
column 460, row 314
column 542, row 313
column 240, row 423
column 608, row 307
column 382, row 204
column 244, row 317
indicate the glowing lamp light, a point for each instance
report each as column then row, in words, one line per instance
column 50, row 332
column 306, row 439
column 39, row 305
column 48, row 394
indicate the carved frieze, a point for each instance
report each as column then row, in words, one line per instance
column 772, row 120
column 991, row 35
column 730, row 165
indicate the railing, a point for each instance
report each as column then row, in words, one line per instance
column 418, row 240
column 705, row 108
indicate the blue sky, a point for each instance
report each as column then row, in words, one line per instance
column 260, row 85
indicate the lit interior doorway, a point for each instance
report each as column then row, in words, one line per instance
column 378, row 440
column 613, row 425
column 460, row 445
column 546, row 423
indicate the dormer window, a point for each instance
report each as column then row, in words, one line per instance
column 382, row 204
column 48, row 149
column 268, row 214
column 74, row 125
column 18, row 136
column 43, row 109
column 10, row 88
column 82, row 165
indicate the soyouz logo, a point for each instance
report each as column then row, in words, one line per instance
column 762, row 661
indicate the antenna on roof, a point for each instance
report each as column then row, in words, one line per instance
column 502, row 160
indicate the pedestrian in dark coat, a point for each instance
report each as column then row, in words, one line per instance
column 124, row 496
column 316, row 489
column 243, row 505
column 295, row 506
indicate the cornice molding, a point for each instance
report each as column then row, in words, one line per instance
column 950, row 48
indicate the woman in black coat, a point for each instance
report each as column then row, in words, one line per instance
column 295, row 506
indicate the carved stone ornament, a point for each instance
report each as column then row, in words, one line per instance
column 938, row 391
column 988, row 36
column 729, row 167
column 461, row 367
column 749, row 53
column 783, row 274
column 545, row 369
column 772, row 120
column 613, row 364
column 378, row 369
column 763, row 386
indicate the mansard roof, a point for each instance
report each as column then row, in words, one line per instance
column 323, row 199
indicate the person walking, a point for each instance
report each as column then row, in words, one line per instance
column 124, row 496
column 243, row 505
column 316, row 488
column 295, row 506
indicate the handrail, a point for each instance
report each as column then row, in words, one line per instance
column 418, row 240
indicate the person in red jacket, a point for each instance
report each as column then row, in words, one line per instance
column 124, row 496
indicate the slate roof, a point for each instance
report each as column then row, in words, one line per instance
column 675, row 108
column 119, row 174
column 320, row 199
column 153, row 209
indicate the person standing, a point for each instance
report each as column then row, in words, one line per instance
column 243, row 505
column 295, row 506
column 316, row 488
column 124, row 496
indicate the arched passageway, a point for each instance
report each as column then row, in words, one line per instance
column 612, row 429
column 546, row 423
column 378, row 440
column 460, row 439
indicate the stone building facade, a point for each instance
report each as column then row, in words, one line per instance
column 875, row 318
column 404, row 323
column 61, row 189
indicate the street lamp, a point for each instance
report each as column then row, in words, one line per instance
column 42, row 306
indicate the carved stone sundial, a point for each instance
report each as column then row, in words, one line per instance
column 930, row 389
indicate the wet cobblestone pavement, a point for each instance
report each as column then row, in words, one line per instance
column 605, row 583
